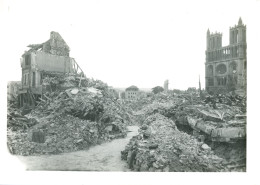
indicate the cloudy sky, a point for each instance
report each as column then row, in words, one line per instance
column 125, row 43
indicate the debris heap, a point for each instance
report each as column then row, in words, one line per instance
column 223, row 120
column 217, row 121
column 15, row 119
column 72, row 115
column 160, row 146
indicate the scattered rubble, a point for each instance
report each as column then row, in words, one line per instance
column 15, row 119
column 178, row 132
column 220, row 122
column 214, row 122
column 59, row 135
column 161, row 147
column 69, row 118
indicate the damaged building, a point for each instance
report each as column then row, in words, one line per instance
column 13, row 89
column 225, row 67
column 51, row 56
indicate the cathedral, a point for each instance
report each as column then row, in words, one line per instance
column 225, row 66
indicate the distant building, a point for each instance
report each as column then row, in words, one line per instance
column 132, row 93
column 51, row 56
column 13, row 89
column 165, row 86
column 225, row 67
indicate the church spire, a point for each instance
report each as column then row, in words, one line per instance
column 240, row 21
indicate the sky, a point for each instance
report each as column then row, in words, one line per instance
column 123, row 43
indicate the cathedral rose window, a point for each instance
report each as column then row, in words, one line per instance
column 221, row 69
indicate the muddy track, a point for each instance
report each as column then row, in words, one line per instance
column 104, row 157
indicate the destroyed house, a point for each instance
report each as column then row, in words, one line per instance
column 225, row 67
column 49, row 57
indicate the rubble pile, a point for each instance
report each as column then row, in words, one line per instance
column 16, row 122
column 217, row 121
column 72, row 115
column 61, row 134
column 160, row 146
column 234, row 155
column 15, row 119
column 167, row 109
column 228, row 99
column 224, row 123
column 141, row 103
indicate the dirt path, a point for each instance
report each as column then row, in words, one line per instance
column 104, row 157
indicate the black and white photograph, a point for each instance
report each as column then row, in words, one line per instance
column 148, row 88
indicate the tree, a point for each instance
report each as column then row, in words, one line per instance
column 177, row 91
column 157, row 89
column 123, row 95
column 192, row 90
column 132, row 88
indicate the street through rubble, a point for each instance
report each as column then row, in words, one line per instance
column 104, row 157
column 179, row 131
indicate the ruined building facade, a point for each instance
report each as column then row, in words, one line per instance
column 225, row 67
column 49, row 57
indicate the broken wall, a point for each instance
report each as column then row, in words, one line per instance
column 56, row 45
column 39, row 62
column 51, row 63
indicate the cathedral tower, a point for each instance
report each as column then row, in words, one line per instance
column 225, row 67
